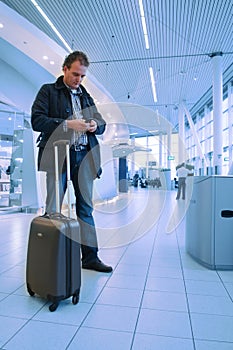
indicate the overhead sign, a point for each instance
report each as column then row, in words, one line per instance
column 170, row 157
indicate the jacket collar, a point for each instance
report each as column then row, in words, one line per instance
column 59, row 84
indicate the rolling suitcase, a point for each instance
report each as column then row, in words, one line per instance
column 53, row 269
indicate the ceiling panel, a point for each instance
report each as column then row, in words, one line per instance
column 181, row 35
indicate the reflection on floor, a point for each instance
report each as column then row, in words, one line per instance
column 157, row 298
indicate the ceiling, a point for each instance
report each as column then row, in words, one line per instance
column 182, row 34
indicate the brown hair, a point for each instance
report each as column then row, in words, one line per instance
column 76, row 56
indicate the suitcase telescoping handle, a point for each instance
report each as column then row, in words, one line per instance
column 65, row 143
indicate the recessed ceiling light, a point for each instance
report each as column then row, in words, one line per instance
column 51, row 24
column 51, row 62
column 153, row 84
column 143, row 20
column 1, row 25
column 45, row 57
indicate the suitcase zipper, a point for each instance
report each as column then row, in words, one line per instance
column 68, row 261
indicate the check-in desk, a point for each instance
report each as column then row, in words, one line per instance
column 209, row 222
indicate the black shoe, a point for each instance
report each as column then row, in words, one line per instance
column 97, row 265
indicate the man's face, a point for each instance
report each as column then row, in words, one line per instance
column 74, row 75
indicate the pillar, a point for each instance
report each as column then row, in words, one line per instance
column 181, row 157
column 230, row 121
column 217, row 111
column 123, row 182
column 160, row 151
column 169, row 134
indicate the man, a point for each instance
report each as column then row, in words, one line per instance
column 65, row 110
column 182, row 172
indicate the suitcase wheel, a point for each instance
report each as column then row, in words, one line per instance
column 75, row 299
column 53, row 307
column 30, row 291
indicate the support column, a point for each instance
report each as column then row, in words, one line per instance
column 181, row 157
column 123, row 182
column 147, row 158
column 169, row 134
column 217, row 111
column 230, row 121
column 160, row 151
column 200, row 152
column 206, row 111
column 132, row 157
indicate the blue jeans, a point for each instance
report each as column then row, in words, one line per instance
column 82, row 179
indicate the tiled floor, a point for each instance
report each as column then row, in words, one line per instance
column 157, row 298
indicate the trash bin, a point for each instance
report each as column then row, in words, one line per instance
column 209, row 223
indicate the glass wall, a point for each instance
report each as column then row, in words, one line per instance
column 159, row 155
column 158, row 158
column 12, row 126
column 203, row 122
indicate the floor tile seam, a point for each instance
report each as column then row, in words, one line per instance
column 210, row 314
column 228, row 282
column 94, row 302
column 135, row 236
column 25, row 318
column 135, row 289
column 12, row 293
column 131, row 289
column 39, row 321
column 209, row 295
column 156, row 274
column 55, row 322
column 12, row 251
column 18, row 330
column 133, row 274
column 8, row 269
column 201, row 280
column 85, row 317
column 5, row 297
column 163, row 336
column 32, row 319
column 162, row 266
column 105, row 329
column 95, row 328
column 14, row 317
column 165, row 277
column 146, row 278
column 164, row 291
column 164, row 310
column 159, row 334
column 185, row 288
column 213, row 340
column 116, row 305
column 223, row 284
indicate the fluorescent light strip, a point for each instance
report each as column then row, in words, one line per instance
column 153, row 84
column 51, row 25
column 143, row 19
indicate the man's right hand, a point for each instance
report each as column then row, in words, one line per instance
column 78, row 125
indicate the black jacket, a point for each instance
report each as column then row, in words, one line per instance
column 51, row 107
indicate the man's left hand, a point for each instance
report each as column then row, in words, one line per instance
column 92, row 126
